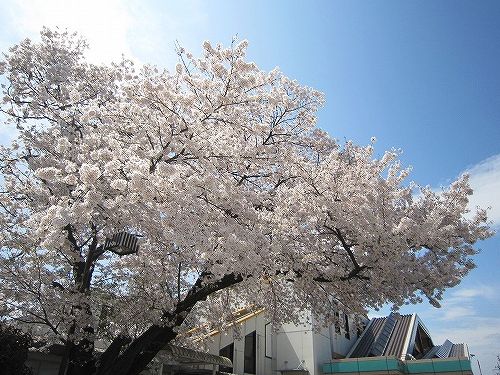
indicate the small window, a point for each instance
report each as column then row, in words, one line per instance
column 337, row 324
column 250, row 353
column 227, row 352
column 346, row 327
column 268, row 341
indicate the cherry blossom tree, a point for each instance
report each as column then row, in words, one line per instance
column 232, row 193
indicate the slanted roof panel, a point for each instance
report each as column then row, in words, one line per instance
column 384, row 336
column 393, row 345
column 431, row 353
column 365, row 342
column 445, row 349
column 403, row 328
column 458, row 350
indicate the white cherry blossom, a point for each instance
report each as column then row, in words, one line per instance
column 234, row 194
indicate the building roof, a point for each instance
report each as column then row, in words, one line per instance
column 238, row 317
column 403, row 337
column 448, row 350
column 178, row 354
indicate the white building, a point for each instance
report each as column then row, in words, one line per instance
column 257, row 349
column 397, row 344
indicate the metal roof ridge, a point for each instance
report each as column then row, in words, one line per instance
column 196, row 355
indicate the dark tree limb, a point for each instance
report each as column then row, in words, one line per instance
column 143, row 349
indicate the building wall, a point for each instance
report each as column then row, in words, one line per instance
column 293, row 347
column 340, row 343
column 42, row 363
column 393, row 365
column 264, row 365
column 322, row 349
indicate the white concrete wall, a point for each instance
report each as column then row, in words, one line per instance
column 295, row 347
column 322, row 350
column 264, row 366
column 292, row 346
column 340, row 345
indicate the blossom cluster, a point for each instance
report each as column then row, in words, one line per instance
column 219, row 169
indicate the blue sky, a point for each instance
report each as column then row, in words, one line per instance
column 422, row 76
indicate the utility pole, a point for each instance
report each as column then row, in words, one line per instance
column 478, row 364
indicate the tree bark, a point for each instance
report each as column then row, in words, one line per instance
column 78, row 359
column 129, row 357
column 139, row 353
column 134, row 358
column 82, row 360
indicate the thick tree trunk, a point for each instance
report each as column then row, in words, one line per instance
column 126, row 357
column 78, row 359
column 139, row 353
column 82, row 361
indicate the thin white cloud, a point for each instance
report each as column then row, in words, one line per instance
column 456, row 312
column 485, row 181
column 462, row 302
column 7, row 135
column 474, row 331
column 483, row 291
